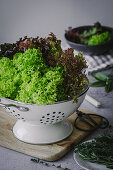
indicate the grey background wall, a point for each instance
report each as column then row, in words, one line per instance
column 40, row 17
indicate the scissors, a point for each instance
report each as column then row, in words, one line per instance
column 87, row 119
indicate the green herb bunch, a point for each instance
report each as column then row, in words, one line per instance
column 99, row 150
column 43, row 73
column 103, row 81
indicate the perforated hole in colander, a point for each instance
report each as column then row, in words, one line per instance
column 52, row 117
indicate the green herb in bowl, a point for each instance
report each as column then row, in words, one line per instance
column 99, row 150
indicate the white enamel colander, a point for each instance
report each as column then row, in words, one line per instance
column 42, row 124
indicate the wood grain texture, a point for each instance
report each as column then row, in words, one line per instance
column 50, row 152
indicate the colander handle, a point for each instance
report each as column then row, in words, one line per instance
column 20, row 108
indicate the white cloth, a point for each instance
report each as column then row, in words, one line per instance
column 96, row 63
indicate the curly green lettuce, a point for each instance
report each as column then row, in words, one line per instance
column 27, row 78
column 45, row 89
column 8, row 84
column 99, row 39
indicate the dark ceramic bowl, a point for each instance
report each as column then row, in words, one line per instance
column 91, row 49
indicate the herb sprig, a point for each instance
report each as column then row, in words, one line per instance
column 103, row 81
column 98, row 150
column 48, row 164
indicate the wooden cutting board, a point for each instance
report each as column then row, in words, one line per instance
column 50, row 152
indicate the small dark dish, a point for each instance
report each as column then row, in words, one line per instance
column 91, row 49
